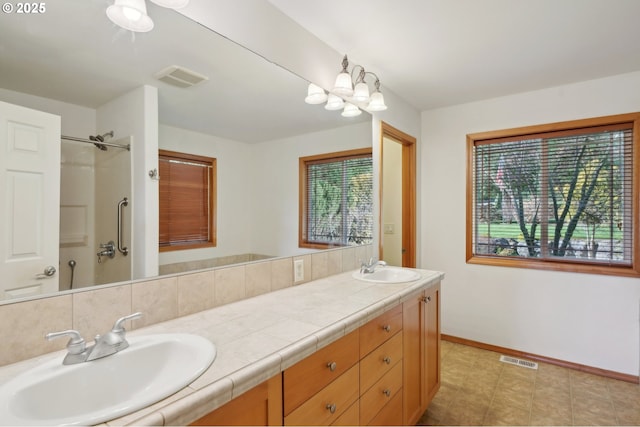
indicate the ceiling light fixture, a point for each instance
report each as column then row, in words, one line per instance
column 350, row 110
column 349, row 92
column 315, row 95
column 132, row 14
column 334, row 102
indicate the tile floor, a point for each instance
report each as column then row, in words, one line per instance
column 478, row 389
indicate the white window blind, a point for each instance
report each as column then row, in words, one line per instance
column 564, row 195
column 338, row 201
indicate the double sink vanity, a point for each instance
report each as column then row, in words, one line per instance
column 348, row 349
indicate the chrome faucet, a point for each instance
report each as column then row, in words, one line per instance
column 108, row 250
column 368, row 268
column 105, row 345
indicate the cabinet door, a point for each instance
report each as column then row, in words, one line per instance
column 307, row 377
column 260, row 406
column 328, row 404
column 413, row 310
column 432, row 342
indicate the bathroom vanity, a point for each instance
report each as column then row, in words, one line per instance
column 336, row 350
column 385, row 372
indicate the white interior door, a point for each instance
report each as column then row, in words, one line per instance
column 29, row 201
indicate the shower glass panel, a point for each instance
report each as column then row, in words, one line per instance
column 93, row 181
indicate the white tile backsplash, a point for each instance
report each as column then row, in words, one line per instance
column 93, row 311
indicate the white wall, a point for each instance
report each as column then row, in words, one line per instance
column 275, row 185
column 135, row 114
column 261, row 27
column 585, row 319
column 257, row 187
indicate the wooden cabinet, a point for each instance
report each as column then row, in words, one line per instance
column 355, row 380
column 380, row 329
column 260, row 406
column 384, row 391
column 431, row 327
column 309, row 376
column 384, row 373
column 421, row 333
column 326, row 406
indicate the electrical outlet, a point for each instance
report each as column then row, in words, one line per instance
column 298, row 270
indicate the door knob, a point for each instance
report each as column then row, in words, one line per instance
column 48, row 272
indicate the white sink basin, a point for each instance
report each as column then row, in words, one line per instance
column 152, row 368
column 388, row 275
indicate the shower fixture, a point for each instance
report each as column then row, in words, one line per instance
column 100, row 138
column 72, row 265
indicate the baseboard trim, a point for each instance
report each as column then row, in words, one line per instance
column 522, row 354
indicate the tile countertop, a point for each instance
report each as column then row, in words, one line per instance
column 260, row 337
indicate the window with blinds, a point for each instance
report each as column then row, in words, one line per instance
column 187, row 201
column 336, row 199
column 562, row 196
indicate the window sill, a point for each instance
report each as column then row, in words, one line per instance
column 172, row 248
column 570, row 267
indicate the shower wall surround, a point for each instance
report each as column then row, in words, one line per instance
column 92, row 312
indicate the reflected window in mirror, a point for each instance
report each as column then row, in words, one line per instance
column 187, row 201
column 336, row 199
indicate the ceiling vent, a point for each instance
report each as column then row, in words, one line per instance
column 180, row 76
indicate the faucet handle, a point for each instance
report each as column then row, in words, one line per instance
column 76, row 344
column 118, row 327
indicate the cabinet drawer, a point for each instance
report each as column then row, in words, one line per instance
column 380, row 361
column 328, row 404
column 307, row 377
column 350, row 417
column 381, row 394
column 380, row 329
column 391, row 414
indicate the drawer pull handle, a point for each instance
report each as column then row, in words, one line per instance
column 387, row 328
column 387, row 392
column 387, row 360
column 331, row 407
column 426, row 299
column 332, row 366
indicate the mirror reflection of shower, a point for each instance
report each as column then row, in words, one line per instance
column 99, row 139
column 95, row 175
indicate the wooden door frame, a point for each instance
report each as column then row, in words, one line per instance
column 408, row 143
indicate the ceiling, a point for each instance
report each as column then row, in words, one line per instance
column 73, row 53
column 435, row 53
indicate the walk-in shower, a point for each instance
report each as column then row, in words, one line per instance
column 93, row 184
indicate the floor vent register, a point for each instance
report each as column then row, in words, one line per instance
column 519, row 362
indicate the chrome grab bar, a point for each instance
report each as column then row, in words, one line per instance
column 123, row 250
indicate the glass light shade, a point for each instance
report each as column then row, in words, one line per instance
column 315, row 94
column 350, row 110
column 334, row 102
column 361, row 92
column 130, row 15
column 172, row 4
column 343, row 85
column 376, row 102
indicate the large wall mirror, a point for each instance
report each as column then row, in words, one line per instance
column 249, row 114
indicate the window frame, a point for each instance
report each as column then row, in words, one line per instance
column 302, row 188
column 582, row 266
column 212, row 163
